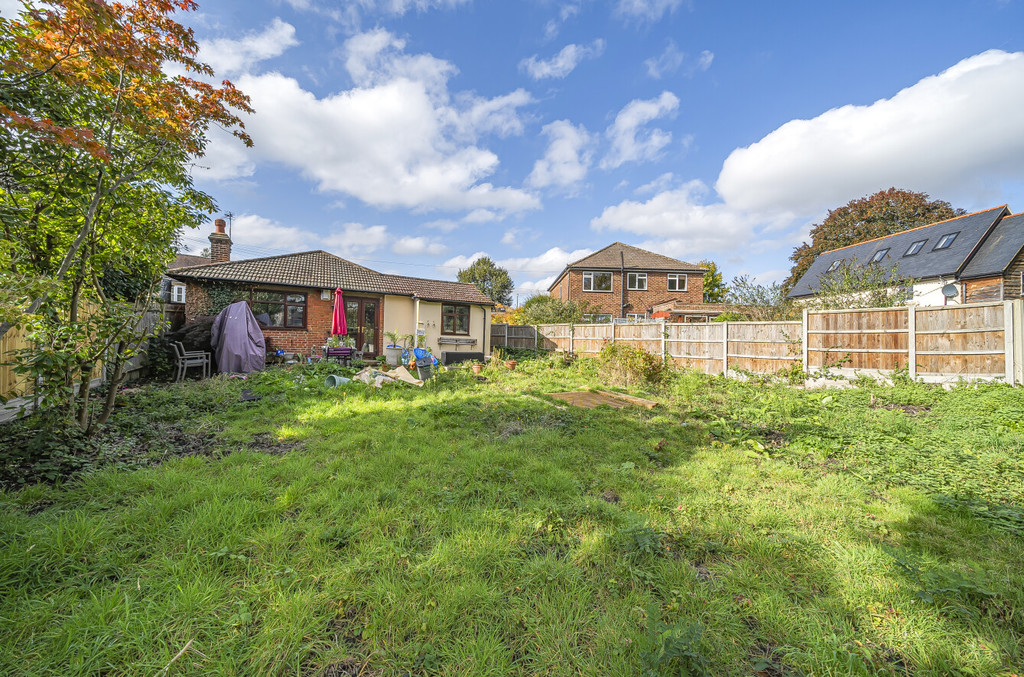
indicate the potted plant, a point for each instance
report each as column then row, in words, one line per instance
column 477, row 367
column 510, row 364
column 393, row 351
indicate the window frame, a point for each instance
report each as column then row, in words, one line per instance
column 175, row 288
column 675, row 277
column 916, row 243
column 835, row 266
column 880, row 255
column 952, row 238
column 452, row 310
column 285, row 305
column 636, row 317
column 589, row 274
column 636, row 280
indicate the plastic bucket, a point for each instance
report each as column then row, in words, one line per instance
column 333, row 381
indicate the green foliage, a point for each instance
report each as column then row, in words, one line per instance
column 884, row 213
column 675, row 649
column 760, row 302
column 946, row 588
column 856, row 285
column 492, row 280
column 640, row 540
column 714, row 288
column 543, row 309
column 219, row 295
column 625, row 365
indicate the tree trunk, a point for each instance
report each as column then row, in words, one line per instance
column 115, row 382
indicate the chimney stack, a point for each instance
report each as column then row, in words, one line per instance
column 220, row 242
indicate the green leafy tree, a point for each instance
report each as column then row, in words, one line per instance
column 884, row 213
column 492, row 280
column 97, row 141
column 758, row 302
column 714, row 288
column 855, row 285
column 543, row 309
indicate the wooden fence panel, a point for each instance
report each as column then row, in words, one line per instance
column 764, row 347
column 984, row 340
column 11, row 384
column 696, row 346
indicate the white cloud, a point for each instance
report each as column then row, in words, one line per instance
column 532, row 273
column 354, row 240
column 681, row 214
column 666, row 63
column 259, row 231
column 414, row 246
column 351, row 12
column 229, row 56
column 646, row 10
column 461, row 261
column 481, row 216
column 566, row 12
column 397, row 139
column 511, row 237
column 563, row 63
column 9, row 9
column 659, row 184
column 225, row 159
column 949, row 135
column 705, row 59
column 945, row 135
column 630, row 143
column 443, row 225
column 567, row 159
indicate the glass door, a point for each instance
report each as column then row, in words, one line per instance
column 362, row 317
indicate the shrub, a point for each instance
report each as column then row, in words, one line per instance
column 624, row 365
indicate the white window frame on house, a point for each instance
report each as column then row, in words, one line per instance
column 177, row 293
column 677, row 278
column 588, row 276
column 636, row 281
column 636, row 317
column 597, row 318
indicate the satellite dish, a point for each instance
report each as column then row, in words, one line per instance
column 950, row 291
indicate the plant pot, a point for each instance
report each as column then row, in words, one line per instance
column 393, row 355
column 510, row 364
column 477, row 368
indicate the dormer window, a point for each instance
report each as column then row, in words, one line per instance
column 835, row 266
column 879, row 255
column 915, row 247
column 946, row 240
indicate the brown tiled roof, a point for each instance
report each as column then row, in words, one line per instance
column 614, row 254
column 321, row 270
column 186, row 260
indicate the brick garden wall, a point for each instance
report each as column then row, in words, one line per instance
column 639, row 301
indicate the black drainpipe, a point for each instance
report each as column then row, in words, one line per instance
column 622, row 272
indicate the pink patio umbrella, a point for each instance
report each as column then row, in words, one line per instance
column 338, row 325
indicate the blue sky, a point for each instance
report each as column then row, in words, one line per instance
column 414, row 135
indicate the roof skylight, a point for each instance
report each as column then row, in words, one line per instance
column 946, row 240
column 915, row 247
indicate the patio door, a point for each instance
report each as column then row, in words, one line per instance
column 363, row 319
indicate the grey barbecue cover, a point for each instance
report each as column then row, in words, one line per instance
column 238, row 341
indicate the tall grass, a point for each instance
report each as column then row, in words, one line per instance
column 480, row 528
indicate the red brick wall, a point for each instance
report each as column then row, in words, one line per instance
column 638, row 301
column 308, row 341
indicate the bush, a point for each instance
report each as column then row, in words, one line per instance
column 623, row 365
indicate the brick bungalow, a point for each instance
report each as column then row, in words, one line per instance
column 293, row 297
column 622, row 281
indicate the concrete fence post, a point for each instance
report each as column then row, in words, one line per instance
column 1009, row 342
column 803, row 341
column 725, row 349
column 572, row 334
column 664, row 335
column 536, row 337
column 912, row 341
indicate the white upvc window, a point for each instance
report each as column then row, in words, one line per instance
column 636, row 317
column 636, row 281
column 677, row 282
column 597, row 281
column 178, row 293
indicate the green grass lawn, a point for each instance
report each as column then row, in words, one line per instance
column 479, row 528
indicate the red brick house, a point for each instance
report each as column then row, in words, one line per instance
column 621, row 281
column 292, row 295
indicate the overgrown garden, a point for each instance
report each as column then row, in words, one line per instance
column 479, row 527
